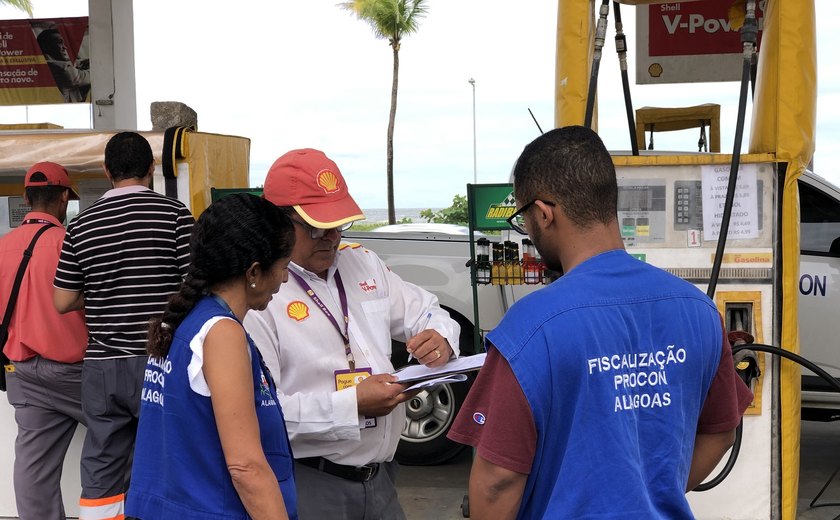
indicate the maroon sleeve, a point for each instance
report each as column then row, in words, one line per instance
column 496, row 418
column 728, row 396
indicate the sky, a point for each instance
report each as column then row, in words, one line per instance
column 292, row 74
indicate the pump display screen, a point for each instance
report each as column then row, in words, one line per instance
column 641, row 212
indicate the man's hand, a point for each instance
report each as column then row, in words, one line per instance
column 429, row 348
column 378, row 394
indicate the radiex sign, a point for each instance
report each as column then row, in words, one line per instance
column 491, row 205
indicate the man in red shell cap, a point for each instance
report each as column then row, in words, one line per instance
column 44, row 376
column 326, row 338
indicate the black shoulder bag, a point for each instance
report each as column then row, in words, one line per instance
column 10, row 307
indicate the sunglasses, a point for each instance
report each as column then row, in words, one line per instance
column 517, row 220
column 318, row 233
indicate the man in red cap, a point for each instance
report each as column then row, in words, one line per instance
column 45, row 347
column 326, row 338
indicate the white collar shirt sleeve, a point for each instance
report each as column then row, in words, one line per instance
column 303, row 349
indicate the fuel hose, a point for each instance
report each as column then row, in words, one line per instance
column 736, row 447
column 749, row 37
column 600, row 35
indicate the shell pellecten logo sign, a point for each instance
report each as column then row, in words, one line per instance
column 328, row 181
column 297, row 310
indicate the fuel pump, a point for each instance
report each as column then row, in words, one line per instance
column 672, row 208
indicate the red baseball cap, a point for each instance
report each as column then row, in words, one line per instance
column 56, row 176
column 312, row 184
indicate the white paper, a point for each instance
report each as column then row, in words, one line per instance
column 451, row 378
column 413, row 373
column 743, row 223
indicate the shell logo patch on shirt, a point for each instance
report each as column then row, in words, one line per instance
column 297, row 310
column 479, row 418
column 328, row 181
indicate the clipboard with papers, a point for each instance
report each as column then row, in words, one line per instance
column 420, row 376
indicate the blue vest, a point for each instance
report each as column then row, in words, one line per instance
column 615, row 359
column 179, row 469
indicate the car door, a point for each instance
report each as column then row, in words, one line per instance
column 819, row 292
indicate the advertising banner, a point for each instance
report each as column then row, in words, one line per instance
column 490, row 205
column 690, row 42
column 44, row 61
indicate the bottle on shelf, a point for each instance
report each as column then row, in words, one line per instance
column 531, row 267
column 498, row 275
column 513, row 266
column 482, row 261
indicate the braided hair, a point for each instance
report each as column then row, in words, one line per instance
column 231, row 234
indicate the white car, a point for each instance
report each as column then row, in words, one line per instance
column 426, row 227
column 819, row 293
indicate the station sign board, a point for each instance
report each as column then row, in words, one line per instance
column 690, row 42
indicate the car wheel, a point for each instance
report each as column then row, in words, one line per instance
column 429, row 415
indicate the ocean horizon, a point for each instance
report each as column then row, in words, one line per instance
column 381, row 214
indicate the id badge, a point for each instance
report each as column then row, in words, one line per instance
column 350, row 378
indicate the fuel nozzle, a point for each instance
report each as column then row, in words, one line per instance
column 746, row 361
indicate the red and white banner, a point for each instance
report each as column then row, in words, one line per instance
column 44, row 61
column 689, row 42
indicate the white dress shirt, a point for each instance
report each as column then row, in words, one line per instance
column 303, row 349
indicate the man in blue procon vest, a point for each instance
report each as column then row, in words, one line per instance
column 612, row 391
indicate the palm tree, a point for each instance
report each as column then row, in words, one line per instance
column 23, row 5
column 390, row 20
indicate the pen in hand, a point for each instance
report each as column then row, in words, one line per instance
column 424, row 327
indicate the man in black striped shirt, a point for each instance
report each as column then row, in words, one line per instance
column 121, row 260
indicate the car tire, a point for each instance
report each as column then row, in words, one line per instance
column 430, row 414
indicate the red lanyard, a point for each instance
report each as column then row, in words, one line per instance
column 36, row 221
column 342, row 297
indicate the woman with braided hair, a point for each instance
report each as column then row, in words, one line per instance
column 211, row 441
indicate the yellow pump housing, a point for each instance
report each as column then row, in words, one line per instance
column 783, row 125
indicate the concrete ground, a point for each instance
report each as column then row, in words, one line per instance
column 436, row 492
column 820, row 457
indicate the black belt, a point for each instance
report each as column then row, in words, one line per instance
column 354, row 473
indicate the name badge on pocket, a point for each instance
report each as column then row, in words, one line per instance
column 350, row 378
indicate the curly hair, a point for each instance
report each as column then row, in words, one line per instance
column 572, row 167
column 231, row 234
column 128, row 155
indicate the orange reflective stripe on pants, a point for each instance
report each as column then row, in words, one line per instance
column 108, row 508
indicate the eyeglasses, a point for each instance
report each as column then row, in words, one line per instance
column 318, row 233
column 517, row 220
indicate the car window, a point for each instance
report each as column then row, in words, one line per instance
column 819, row 216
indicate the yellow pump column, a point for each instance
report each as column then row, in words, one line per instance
column 575, row 35
column 784, row 115
column 783, row 125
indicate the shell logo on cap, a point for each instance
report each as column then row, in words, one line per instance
column 297, row 310
column 327, row 180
